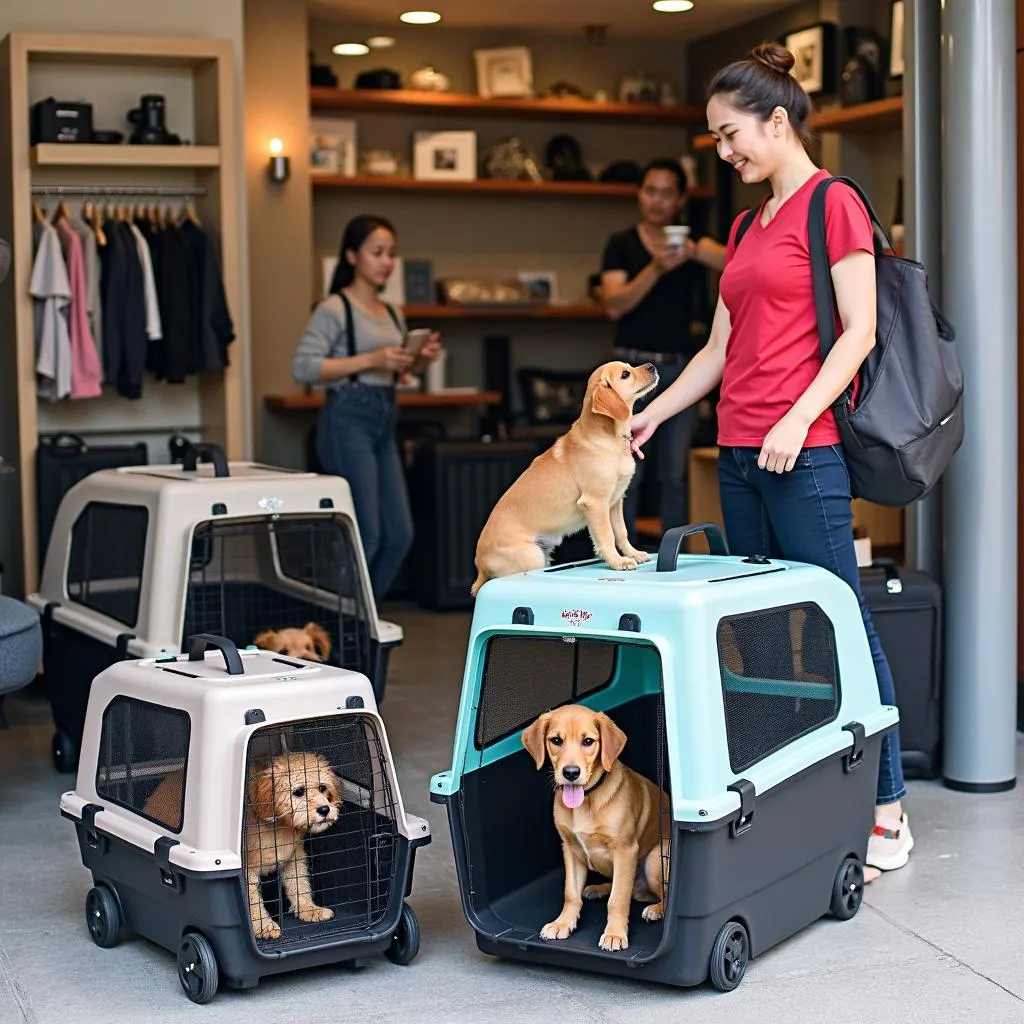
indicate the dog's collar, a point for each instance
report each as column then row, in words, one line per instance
column 587, row 792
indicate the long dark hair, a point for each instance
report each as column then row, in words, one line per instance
column 760, row 82
column 357, row 231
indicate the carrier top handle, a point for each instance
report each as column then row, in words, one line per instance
column 668, row 551
column 197, row 453
column 198, row 642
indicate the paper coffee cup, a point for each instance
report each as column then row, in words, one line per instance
column 676, row 235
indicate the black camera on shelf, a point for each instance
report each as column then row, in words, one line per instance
column 149, row 118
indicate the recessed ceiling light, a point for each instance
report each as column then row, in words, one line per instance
column 672, row 6
column 350, row 49
column 380, row 42
column 420, row 17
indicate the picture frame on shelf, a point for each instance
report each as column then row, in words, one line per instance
column 444, row 156
column 419, row 282
column 814, row 51
column 541, row 285
column 896, row 40
column 332, row 146
column 504, row 72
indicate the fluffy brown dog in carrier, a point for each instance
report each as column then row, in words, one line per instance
column 310, row 643
column 607, row 817
column 578, row 482
column 295, row 795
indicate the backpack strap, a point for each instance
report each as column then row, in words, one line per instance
column 745, row 225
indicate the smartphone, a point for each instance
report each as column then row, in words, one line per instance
column 416, row 339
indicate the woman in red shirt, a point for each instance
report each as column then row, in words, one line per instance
column 783, row 481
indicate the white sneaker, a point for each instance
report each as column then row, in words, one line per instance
column 889, row 844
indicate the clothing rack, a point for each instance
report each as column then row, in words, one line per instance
column 158, row 191
column 134, row 431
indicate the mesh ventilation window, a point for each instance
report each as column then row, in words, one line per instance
column 780, row 679
column 142, row 758
column 526, row 676
column 352, row 863
column 251, row 575
column 107, row 556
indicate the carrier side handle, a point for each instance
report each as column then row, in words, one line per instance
column 198, row 642
column 197, row 453
column 668, row 551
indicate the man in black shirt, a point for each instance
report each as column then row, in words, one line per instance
column 657, row 295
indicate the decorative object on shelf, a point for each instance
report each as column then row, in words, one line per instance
column 53, row 121
column 463, row 292
column 551, row 396
column 380, row 163
column 149, row 118
column 863, row 74
column 690, row 165
column 511, row 160
column 896, row 40
column 419, row 282
column 428, row 79
column 279, row 169
column 601, row 96
column 563, row 90
column 321, row 74
column 667, row 96
column 541, row 285
column 814, row 49
column 504, row 72
column 332, row 147
column 378, row 78
column 444, row 156
column 106, row 137
column 638, row 87
column 563, row 158
column 622, row 172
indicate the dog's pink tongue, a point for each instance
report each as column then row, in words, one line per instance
column 572, row 796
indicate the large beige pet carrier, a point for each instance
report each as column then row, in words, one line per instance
column 142, row 557
column 241, row 809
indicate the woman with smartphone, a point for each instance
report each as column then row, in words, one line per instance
column 359, row 347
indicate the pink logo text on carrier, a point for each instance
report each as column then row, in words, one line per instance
column 575, row 616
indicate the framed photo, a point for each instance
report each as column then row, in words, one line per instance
column 444, row 156
column 896, row 40
column 541, row 285
column 505, row 72
column 332, row 147
column 814, row 49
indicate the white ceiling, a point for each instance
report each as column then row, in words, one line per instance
column 624, row 17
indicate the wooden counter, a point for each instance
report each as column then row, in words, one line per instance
column 406, row 400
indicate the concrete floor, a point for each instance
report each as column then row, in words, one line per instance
column 936, row 942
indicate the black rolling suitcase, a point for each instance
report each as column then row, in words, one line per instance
column 453, row 485
column 906, row 608
column 62, row 460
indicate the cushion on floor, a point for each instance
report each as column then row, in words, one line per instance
column 21, row 644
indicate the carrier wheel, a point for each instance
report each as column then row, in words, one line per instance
column 729, row 956
column 197, row 968
column 103, row 917
column 64, row 751
column 848, row 889
column 405, row 943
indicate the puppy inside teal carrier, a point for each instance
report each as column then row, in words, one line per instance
column 747, row 694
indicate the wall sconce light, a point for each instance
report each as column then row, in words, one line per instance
column 279, row 169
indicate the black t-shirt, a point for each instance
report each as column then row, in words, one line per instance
column 661, row 322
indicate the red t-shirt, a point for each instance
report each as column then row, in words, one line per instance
column 774, row 352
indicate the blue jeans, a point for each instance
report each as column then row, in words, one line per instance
column 671, row 448
column 356, row 440
column 805, row 516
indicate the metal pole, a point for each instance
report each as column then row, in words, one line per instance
column 922, row 204
column 979, row 151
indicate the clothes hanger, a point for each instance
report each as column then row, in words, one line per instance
column 38, row 213
column 188, row 212
column 61, row 213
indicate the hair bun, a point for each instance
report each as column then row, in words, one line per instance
column 773, row 55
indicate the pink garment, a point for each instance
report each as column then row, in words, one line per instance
column 86, row 375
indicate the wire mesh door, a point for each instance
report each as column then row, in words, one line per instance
column 282, row 578
column 319, row 834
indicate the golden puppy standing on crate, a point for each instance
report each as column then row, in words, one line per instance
column 311, row 643
column 578, row 482
column 295, row 795
column 607, row 817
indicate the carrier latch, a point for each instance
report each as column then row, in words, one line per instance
column 748, row 797
column 855, row 757
column 169, row 878
column 92, row 835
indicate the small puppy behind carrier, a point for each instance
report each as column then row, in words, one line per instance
column 692, row 750
column 242, row 810
column 143, row 557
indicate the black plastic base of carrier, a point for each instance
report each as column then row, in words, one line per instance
column 775, row 878
column 164, row 906
column 980, row 787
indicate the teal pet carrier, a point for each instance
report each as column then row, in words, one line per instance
column 747, row 694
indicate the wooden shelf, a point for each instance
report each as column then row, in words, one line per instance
column 492, row 187
column 405, row 101
column 586, row 311
column 57, row 154
column 884, row 115
column 405, row 400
